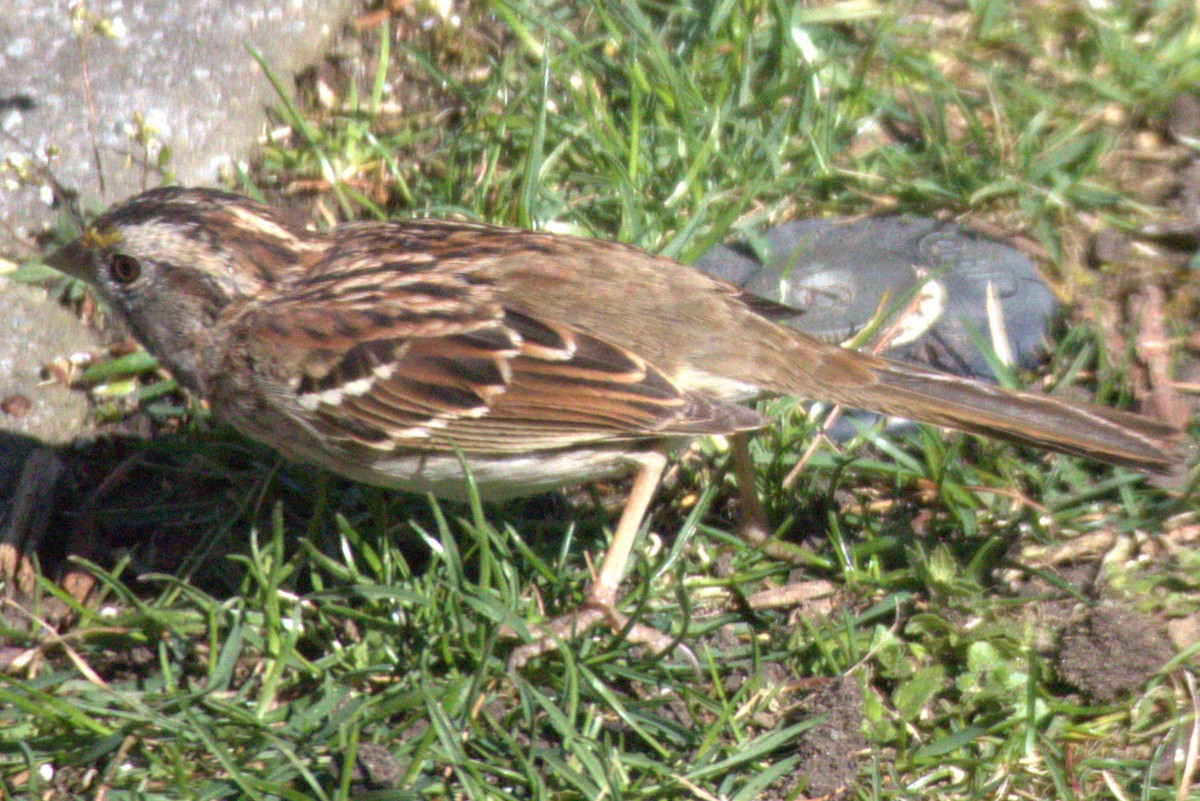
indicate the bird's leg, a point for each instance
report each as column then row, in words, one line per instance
column 598, row 606
column 752, row 527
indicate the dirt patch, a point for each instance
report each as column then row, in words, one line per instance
column 1112, row 652
column 375, row 767
column 830, row 750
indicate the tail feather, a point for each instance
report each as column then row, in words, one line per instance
column 1065, row 426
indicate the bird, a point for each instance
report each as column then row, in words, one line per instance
column 407, row 354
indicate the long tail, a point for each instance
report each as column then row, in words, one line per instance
column 895, row 388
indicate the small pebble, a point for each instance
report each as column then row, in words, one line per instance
column 16, row 405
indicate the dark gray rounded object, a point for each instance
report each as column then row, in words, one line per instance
column 838, row 273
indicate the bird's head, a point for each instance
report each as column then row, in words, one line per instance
column 171, row 261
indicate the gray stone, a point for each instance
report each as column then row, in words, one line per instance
column 184, row 67
column 186, row 70
column 33, row 333
column 837, row 272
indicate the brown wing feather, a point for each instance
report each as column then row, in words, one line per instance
column 441, row 395
column 437, row 364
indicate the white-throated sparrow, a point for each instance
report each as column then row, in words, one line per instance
column 385, row 351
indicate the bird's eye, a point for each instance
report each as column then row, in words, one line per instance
column 124, row 269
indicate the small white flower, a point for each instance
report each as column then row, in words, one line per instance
column 115, row 28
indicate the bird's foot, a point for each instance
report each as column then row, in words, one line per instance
column 591, row 613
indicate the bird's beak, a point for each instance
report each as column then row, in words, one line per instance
column 74, row 259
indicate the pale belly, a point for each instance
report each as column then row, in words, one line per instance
column 496, row 477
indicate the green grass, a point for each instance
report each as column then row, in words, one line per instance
column 318, row 625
